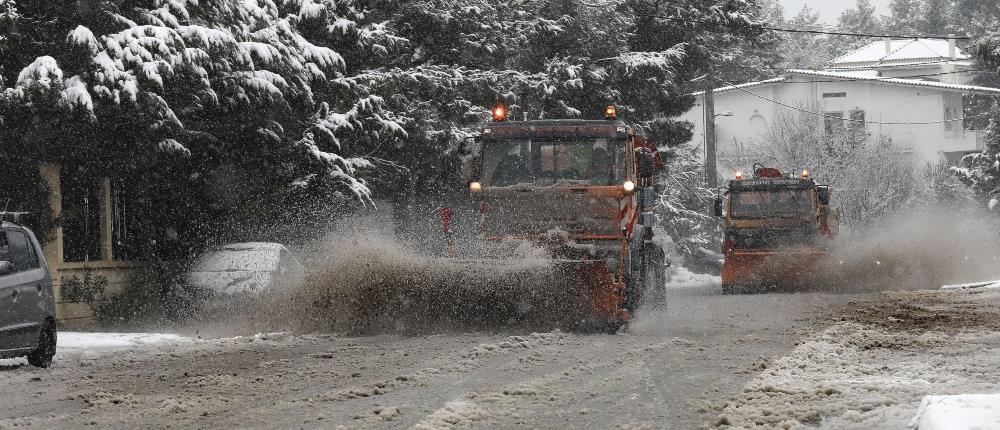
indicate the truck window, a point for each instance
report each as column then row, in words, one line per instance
column 547, row 162
column 22, row 253
column 766, row 203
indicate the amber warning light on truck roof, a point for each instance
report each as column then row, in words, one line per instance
column 611, row 112
column 499, row 112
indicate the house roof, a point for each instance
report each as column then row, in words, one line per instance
column 868, row 76
column 856, row 76
column 901, row 51
column 741, row 86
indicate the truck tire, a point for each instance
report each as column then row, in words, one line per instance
column 730, row 289
column 655, row 287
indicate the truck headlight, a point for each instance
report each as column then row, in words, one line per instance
column 475, row 187
column 629, row 186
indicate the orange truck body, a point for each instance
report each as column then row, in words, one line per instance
column 577, row 188
column 777, row 231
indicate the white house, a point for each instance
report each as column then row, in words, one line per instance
column 910, row 91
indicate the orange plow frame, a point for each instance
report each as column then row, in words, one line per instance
column 604, row 292
column 789, row 269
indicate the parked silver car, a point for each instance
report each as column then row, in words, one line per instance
column 27, row 305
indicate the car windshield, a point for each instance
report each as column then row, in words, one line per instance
column 765, row 203
column 587, row 161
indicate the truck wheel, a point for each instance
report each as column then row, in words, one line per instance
column 614, row 327
column 730, row 289
column 655, row 277
column 42, row 355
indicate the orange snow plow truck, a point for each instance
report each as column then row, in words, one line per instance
column 777, row 231
column 583, row 191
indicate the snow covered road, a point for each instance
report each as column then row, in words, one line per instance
column 873, row 368
column 736, row 361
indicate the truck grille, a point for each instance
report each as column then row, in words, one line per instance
column 773, row 238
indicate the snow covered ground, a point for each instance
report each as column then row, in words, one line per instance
column 987, row 285
column 81, row 342
column 684, row 278
column 761, row 361
column 86, row 345
column 684, row 361
column 958, row 412
column 875, row 367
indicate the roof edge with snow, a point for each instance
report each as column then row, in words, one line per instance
column 845, row 76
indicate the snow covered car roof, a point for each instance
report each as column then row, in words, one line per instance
column 247, row 246
column 245, row 267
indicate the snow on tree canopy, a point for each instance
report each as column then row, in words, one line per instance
column 223, row 71
column 174, row 147
column 75, row 94
column 44, row 71
column 82, row 36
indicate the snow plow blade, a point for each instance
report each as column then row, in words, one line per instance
column 744, row 272
column 453, row 293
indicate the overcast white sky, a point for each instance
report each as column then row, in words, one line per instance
column 829, row 9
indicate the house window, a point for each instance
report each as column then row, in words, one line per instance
column 833, row 122
column 123, row 221
column 949, row 116
column 81, row 216
column 834, row 95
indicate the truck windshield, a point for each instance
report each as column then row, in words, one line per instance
column 767, row 203
column 553, row 162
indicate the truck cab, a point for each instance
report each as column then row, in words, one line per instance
column 581, row 188
column 777, row 228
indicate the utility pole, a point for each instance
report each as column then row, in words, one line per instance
column 711, row 175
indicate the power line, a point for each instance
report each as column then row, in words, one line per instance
column 820, row 114
column 880, row 36
column 799, row 30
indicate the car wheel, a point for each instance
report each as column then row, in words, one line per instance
column 42, row 355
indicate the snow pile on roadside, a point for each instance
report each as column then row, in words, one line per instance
column 958, row 412
column 684, row 278
column 987, row 285
column 862, row 376
column 77, row 342
column 453, row 414
column 86, row 346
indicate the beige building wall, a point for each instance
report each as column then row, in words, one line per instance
column 118, row 273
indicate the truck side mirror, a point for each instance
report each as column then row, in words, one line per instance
column 468, row 167
column 718, row 206
column 646, row 161
column 468, row 145
column 823, row 194
column 6, row 268
column 471, row 153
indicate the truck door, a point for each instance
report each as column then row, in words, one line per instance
column 20, row 292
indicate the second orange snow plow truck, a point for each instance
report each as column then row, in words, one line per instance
column 583, row 191
column 777, row 230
